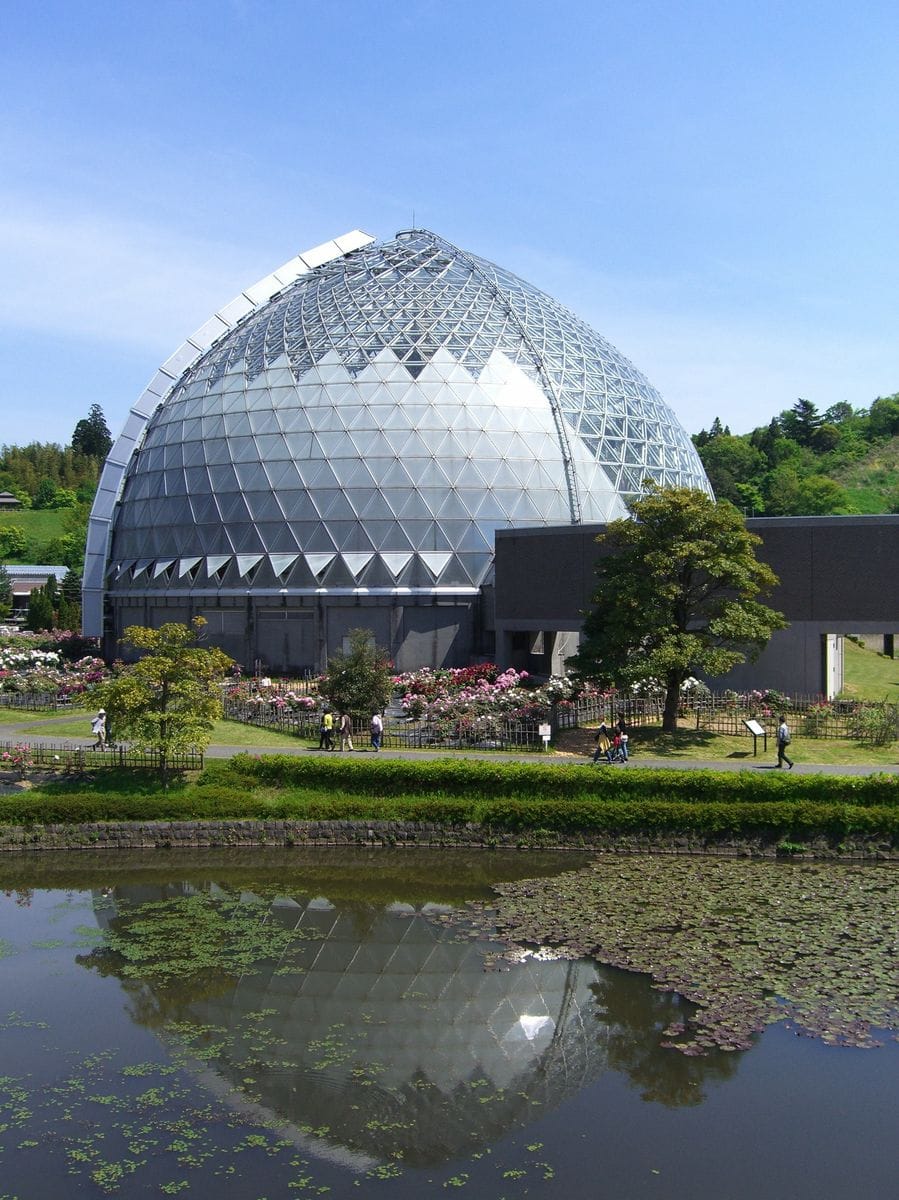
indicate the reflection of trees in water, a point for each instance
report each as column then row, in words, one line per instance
column 632, row 1015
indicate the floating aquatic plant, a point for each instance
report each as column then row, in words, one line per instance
column 749, row 943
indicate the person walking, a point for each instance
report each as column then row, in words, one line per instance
column 98, row 729
column 377, row 731
column 602, row 742
column 346, row 732
column 623, row 735
column 784, row 737
column 326, row 731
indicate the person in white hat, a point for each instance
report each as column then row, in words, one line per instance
column 98, row 728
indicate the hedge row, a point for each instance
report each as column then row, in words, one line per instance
column 773, row 820
column 493, row 780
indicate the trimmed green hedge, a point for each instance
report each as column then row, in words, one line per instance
column 488, row 780
column 505, row 798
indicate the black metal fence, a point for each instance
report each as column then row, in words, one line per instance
column 34, row 701
column 22, row 756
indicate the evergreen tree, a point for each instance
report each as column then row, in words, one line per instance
column 5, row 592
column 801, row 422
column 41, row 614
column 92, row 437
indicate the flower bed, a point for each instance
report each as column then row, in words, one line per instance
column 45, row 666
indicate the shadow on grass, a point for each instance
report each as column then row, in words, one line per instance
column 683, row 744
column 132, row 782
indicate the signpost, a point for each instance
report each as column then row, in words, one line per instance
column 546, row 732
column 757, row 732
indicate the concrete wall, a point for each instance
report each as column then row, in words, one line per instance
column 292, row 634
column 837, row 575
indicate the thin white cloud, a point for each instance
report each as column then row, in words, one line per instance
column 112, row 281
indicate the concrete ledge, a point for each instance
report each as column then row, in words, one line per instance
column 195, row 835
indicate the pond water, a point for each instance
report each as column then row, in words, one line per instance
column 272, row 1024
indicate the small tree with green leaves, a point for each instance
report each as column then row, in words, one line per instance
column 5, row 592
column 169, row 700
column 677, row 595
column 359, row 680
column 41, row 612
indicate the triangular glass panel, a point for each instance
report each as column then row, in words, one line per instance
column 435, row 561
column 396, row 562
column 216, row 564
column 188, row 566
column 163, row 567
column 357, row 562
column 246, row 563
column 281, row 563
column 318, row 563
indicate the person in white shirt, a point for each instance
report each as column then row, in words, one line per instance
column 784, row 738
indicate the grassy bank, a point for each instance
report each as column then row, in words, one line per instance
column 497, row 796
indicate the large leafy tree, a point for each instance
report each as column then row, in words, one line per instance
column 170, row 698
column 359, row 680
column 676, row 595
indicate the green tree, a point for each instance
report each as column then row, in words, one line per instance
column 359, row 680
column 92, row 437
column 13, row 541
column 821, row 496
column 730, row 461
column 883, row 418
column 45, row 496
column 5, row 592
column 676, row 595
column 169, row 700
column 801, row 421
column 41, row 613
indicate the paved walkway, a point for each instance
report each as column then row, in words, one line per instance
column 743, row 762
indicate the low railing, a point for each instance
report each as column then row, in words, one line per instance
column 35, row 701
column 80, row 759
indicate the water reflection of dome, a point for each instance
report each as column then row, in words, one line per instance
column 394, row 1037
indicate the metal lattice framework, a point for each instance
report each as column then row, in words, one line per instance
column 370, row 425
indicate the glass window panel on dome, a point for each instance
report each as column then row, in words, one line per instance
column 237, row 423
column 264, row 421
column 245, row 539
column 234, row 450
column 277, row 537
column 350, row 536
column 271, row 447
column 251, row 477
column 264, row 506
column 204, row 510
column 299, row 445
column 223, row 478
column 334, row 505
column 174, row 482
column 298, row 505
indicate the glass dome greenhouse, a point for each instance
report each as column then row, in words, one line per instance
column 356, row 430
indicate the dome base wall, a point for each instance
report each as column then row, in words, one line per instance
column 296, row 635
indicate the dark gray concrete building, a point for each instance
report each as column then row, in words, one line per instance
column 838, row 575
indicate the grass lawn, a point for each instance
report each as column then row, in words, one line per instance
column 75, row 723
column 39, row 524
column 690, row 743
column 868, row 675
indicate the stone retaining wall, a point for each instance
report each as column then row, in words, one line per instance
column 191, row 835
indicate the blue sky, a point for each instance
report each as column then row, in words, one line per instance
column 713, row 186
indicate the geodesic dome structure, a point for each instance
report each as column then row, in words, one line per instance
column 358, row 433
